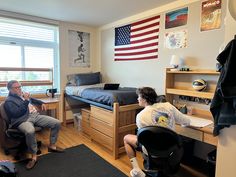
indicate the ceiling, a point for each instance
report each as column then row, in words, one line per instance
column 86, row 12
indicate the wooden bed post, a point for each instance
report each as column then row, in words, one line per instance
column 115, row 130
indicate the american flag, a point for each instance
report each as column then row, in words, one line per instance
column 137, row 41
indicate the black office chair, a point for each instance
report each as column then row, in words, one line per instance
column 164, row 150
column 12, row 140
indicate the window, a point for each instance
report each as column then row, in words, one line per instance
column 26, row 44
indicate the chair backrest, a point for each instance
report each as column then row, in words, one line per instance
column 4, row 124
column 3, row 115
column 164, row 148
column 5, row 130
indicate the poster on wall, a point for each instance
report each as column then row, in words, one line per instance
column 176, row 18
column 211, row 15
column 79, row 49
column 176, row 39
column 138, row 40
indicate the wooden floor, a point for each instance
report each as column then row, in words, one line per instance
column 69, row 137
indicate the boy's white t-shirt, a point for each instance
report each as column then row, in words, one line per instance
column 161, row 114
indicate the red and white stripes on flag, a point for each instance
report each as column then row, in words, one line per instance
column 137, row 41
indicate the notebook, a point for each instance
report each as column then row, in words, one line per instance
column 111, row 86
column 199, row 122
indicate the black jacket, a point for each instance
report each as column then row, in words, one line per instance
column 17, row 109
column 223, row 106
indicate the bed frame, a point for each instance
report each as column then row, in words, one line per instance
column 108, row 127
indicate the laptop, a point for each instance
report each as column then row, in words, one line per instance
column 111, row 86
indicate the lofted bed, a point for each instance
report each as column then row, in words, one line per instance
column 109, row 114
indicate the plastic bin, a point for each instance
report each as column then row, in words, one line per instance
column 211, row 162
column 77, row 120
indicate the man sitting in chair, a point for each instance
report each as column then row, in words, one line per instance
column 160, row 114
column 24, row 116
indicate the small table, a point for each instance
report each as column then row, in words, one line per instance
column 52, row 104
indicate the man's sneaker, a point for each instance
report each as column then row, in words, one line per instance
column 137, row 173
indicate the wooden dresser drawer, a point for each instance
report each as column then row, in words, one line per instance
column 101, row 126
column 85, row 115
column 85, row 122
column 102, row 114
column 85, row 127
column 189, row 132
column 101, row 138
column 210, row 139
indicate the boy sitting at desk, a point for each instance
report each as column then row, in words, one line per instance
column 160, row 114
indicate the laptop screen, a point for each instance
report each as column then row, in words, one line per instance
column 111, row 86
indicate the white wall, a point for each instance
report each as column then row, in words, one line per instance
column 64, row 27
column 201, row 52
column 65, row 69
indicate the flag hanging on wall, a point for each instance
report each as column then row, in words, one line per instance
column 137, row 41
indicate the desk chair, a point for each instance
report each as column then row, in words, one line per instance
column 12, row 140
column 163, row 150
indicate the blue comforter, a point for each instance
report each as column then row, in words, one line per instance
column 123, row 96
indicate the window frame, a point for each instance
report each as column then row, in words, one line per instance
column 26, row 82
column 36, row 43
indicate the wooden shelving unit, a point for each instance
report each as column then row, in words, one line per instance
column 201, row 72
column 186, row 92
column 179, row 83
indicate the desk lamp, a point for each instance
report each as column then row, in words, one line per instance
column 175, row 62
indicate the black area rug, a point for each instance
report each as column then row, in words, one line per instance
column 79, row 161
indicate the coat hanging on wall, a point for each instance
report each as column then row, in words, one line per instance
column 223, row 107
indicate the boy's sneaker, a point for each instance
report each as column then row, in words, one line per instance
column 137, row 173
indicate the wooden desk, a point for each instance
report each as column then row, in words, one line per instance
column 201, row 134
column 52, row 104
column 179, row 83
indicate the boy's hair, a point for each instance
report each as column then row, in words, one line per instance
column 148, row 94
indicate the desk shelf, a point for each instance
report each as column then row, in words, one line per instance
column 179, row 83
column 200, row 72
column 193, row 93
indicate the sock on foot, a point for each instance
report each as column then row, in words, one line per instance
column 137, row 172
column 134, row 162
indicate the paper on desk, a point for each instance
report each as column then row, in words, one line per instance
column 199, row 122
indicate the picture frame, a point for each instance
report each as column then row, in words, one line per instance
column 79, row 48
